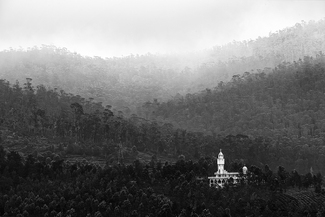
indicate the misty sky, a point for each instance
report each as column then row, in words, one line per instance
column 119, row 27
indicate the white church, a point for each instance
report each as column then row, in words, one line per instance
column 222, row 176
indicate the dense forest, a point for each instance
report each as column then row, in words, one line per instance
column 32, row 186
column 148, row 129
column 284, row 101
column 273, row 118
column 285, row 105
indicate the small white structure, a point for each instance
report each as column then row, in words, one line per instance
column 222, row 176
column 244, row 170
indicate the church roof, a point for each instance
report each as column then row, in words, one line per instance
column 220, row 154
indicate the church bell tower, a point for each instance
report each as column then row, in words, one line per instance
column 221, row 163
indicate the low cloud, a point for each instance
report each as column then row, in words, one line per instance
column 115, row 28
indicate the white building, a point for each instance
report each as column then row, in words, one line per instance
column 222, row 176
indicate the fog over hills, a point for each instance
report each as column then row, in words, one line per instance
column 128, row 82
column 128, row 108
column 120, row 28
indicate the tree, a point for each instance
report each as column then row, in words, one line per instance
column 307, row 180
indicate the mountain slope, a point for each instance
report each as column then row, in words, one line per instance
column 287, row 101
column 128, row 82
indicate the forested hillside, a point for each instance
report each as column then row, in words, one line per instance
column 286, row 45
column 285, row 104
column 289, row 44
column 202, row 129
column 285, row 101
column 31, row 186
column 67, row 124
column 127, row 82
column 279, row 109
